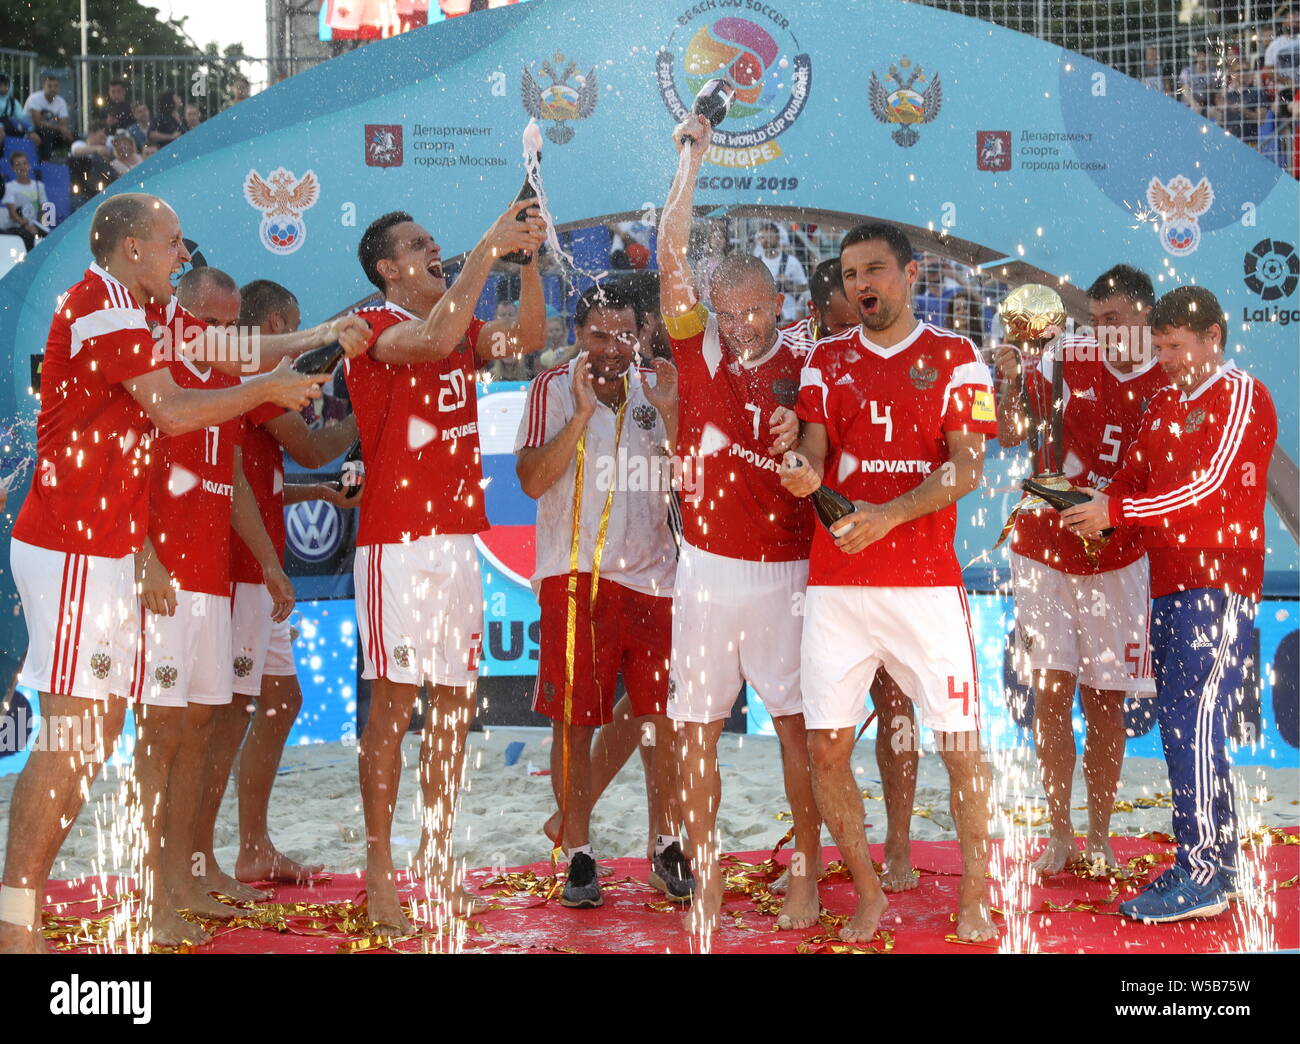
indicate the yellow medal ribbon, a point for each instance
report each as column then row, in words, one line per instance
column 571, row 622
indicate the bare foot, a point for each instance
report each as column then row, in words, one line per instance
column 897, row 873
column 1097, row 852
column 779, row 886
column 18, row 938
column 200, row 904
column 268, row 864
column 222, row 883
column 1059, row 853
column 861, row 927
column 458, row 902
column 701, row 920
column 383, row 906
column 974, row 924
column 802, row 905
column 168, row 928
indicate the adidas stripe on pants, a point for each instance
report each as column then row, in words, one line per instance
column 1199, row 642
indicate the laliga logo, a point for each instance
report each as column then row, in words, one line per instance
column 282, row 198
column 314, row 530
column 1179, row 205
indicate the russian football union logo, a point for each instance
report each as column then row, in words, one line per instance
column 165, row 676
column 243, row 666
column 570, row 96
column 383, row 145
column 644, row 417
column 1179, row 205
column 1272, row 269
column 916, row 98
column 762, row 62
column 402, row 655
column 282, row 198
column 1194, row 420
column 922, row 376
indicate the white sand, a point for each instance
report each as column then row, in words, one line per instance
column 316, row 812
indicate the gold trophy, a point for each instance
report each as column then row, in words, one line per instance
column 1033, row 316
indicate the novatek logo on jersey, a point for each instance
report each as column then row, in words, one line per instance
column 759, row 58
column 314, row 530
column 993, row 150
column 383, row 145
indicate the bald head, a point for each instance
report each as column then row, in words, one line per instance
column 737, row 270
column 130, row 215
column 209, row 294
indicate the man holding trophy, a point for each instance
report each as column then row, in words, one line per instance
column 1195, row 481
column 1081, row 606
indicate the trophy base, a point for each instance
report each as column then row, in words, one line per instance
column 1050, row 479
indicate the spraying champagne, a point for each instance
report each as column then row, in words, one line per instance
column 831, row 505
column 713, row 103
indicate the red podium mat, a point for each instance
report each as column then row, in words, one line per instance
column 1066, row 914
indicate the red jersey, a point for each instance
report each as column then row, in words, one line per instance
column 887, row 412
column 191, row 492
column 1103, row 413
column 419, row 438
column 1196, row 481
column 264, row 469
column 735, row 505
column 90, row 493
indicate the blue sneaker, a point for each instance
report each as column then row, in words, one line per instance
column 1174, row 896
column 1228, row 879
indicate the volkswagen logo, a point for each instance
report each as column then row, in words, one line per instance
column 314, row 529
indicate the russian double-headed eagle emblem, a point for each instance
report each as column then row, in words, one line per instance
column 563, row 101
column 917, row 98
column 282, row 198
column 1179, row 205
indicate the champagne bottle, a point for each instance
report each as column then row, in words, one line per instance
column 831, row 505
column 319, row 360
column 1060, row 499
column 353, row 472
column 524, row 257
column 713, row 103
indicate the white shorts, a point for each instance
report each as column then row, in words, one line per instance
column 260, row 645
column 1094, row 627
column 185, row 656
column 920, row 635
column 420, row 610
column 83, row 621
column 734, row 621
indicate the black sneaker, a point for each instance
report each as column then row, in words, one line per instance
column 581, row 890
column 671, row 874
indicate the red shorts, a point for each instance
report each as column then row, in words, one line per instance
column 632, row 636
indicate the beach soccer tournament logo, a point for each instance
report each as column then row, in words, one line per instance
column 282, row 197
column 762, row 62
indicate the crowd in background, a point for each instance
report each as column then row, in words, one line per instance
column 954, row 296
column 1246, row 85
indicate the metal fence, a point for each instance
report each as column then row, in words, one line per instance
column 1208, row 54
column 20, row 67
column 203, row 81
